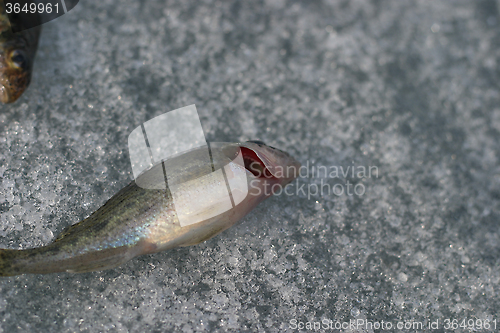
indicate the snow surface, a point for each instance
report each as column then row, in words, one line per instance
column 410, row 88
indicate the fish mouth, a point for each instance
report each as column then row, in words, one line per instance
column 264, row 161
column 255, row 164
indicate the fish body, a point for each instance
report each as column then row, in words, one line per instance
column 17, row 53
column 139, row 220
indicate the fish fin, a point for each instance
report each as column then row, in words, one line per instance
column 70, row 230
column 101, row 260
column 207, row 236
column 92, row 222
column 101, row 265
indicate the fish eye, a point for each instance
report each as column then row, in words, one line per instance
column 18, row 58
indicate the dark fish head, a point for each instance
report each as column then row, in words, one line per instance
column 15, row 65
column 17, row 51
column 15, row 74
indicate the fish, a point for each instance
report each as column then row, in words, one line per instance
column 17, row 53
column 142, row 220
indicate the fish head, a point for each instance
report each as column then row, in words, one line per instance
column 15, row 66
column 267, row 170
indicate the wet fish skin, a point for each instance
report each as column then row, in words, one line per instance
column 17, row 54
column 138, row 221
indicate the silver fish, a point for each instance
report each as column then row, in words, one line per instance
column 139, row 221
